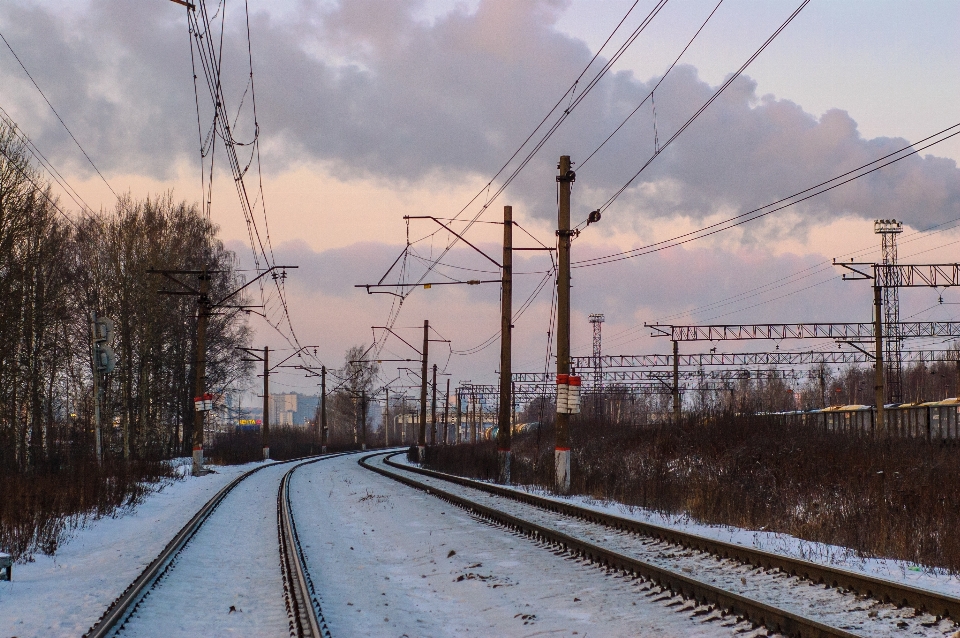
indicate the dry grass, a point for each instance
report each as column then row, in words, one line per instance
column 884, row 498
column 285, row 443
column 40, row 506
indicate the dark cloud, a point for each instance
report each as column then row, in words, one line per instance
column 373, row 91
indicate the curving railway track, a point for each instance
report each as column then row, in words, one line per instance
column 304, row 617
column 788, row 596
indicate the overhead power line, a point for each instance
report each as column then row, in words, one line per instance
column 705, row 105
column 67, row 128
column 574, row 100
column 791, row 200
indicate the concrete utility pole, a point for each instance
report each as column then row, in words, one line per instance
column 506, row 346
column 433, row 409
column 363, row 419
column 446, row 414
column 879, row 390
column 203, row 314
column 422, row 435
column 265, row 421
column 460, row 413
column 561, row 455
column 676, row 382
column 472, row 407
column 386, row 418
column 323, row 409
column 204, row 307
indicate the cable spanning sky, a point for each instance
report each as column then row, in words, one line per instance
column 373, row 109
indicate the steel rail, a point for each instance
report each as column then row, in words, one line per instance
column 759, row 613
column 126, row 603
column 885, row 591
column 303, row 607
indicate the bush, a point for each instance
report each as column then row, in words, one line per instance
column 286, row 442
column 893, row 498
column 41, row 505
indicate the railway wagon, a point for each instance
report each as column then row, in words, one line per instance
column 932, row 420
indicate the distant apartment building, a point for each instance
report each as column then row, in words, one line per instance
column 292, row 409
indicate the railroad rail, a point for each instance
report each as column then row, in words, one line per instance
column 758, row 612
column 302, row 607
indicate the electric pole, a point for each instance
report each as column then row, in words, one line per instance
column 323, row 409
column 446, row 414
column 204, row 308
column 386, row 418
column 676, row 382
column 422, row 434
column 460, row 413
column 433, row 409
column 506, row 345
column 203, row 314
column 561, row 455
column 363, row 419
column 265, row 421
column 879, row 393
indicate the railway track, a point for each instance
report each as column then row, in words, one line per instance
column 789, row 596
column 305, row 617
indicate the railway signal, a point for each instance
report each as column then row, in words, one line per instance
column 104, row 361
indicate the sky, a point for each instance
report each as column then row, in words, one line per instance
column 370, row 110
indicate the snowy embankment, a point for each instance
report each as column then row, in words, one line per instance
column 774, row 542
column 65, row 594
column 389, row 560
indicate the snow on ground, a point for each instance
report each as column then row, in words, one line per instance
column 389, row 560
column 774, row 542
column 65, row 594
column 227, row 580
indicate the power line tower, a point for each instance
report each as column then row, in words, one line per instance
column 888, row 229
column 597, row 320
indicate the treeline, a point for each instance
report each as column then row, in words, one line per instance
column 58, row 268
column 827, row 386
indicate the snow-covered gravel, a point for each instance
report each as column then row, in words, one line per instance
column 784, row 544
column 828, row 606
column 389, row 560
column 227, row 580
column 65, row 594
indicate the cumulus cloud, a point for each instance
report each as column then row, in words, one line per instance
column 371, row 89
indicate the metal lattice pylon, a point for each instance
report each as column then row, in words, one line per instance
column 888, row 229
column 597, row 320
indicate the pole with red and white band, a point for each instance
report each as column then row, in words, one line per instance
column 200, row 370
column 561, row 455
